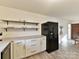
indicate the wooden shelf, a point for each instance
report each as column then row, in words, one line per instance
column 12, row 21
column 10, row 24
column 20, row 21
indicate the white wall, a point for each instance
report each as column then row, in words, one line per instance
column 75, row 21
column 15, row 14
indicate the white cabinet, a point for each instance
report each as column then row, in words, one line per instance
column 43, row 43
column 28, row 47
column 32, row 46
column 19, row 49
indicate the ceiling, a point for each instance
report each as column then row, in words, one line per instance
column 57, row 8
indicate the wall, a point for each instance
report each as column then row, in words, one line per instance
column 15, row 14
column 75, row 21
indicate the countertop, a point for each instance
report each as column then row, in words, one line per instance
column 3, row 45
column 5, row 42
column 23, row 37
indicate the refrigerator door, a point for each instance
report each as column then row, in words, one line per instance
column 52, row 35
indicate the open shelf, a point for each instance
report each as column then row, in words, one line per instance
column 12, row 24
column 23, row 21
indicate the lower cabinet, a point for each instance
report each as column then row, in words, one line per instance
column 25, row 48
column 32, row 46
column 19, row 49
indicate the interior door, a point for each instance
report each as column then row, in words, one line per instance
column 74, row 31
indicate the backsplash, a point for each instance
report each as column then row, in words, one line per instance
column 19, row 34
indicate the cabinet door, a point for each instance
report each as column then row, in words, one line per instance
column 32, row 46
column 43, row 43
column 19, row 49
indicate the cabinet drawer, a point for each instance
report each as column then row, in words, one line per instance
column 32, row 43
column 32, row 51
column 34, row 40
column 19, row 42
column 33, row 47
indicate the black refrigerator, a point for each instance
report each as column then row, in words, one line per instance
column 50, row 30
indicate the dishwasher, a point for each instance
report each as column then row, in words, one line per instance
column 6, row 53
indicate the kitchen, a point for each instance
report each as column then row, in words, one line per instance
column 19, row 45
column 25, row 33
column 18, row 39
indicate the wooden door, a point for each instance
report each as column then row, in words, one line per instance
column 74, row 31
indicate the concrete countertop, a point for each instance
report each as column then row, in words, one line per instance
column 23, row 37
column 5, row 42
